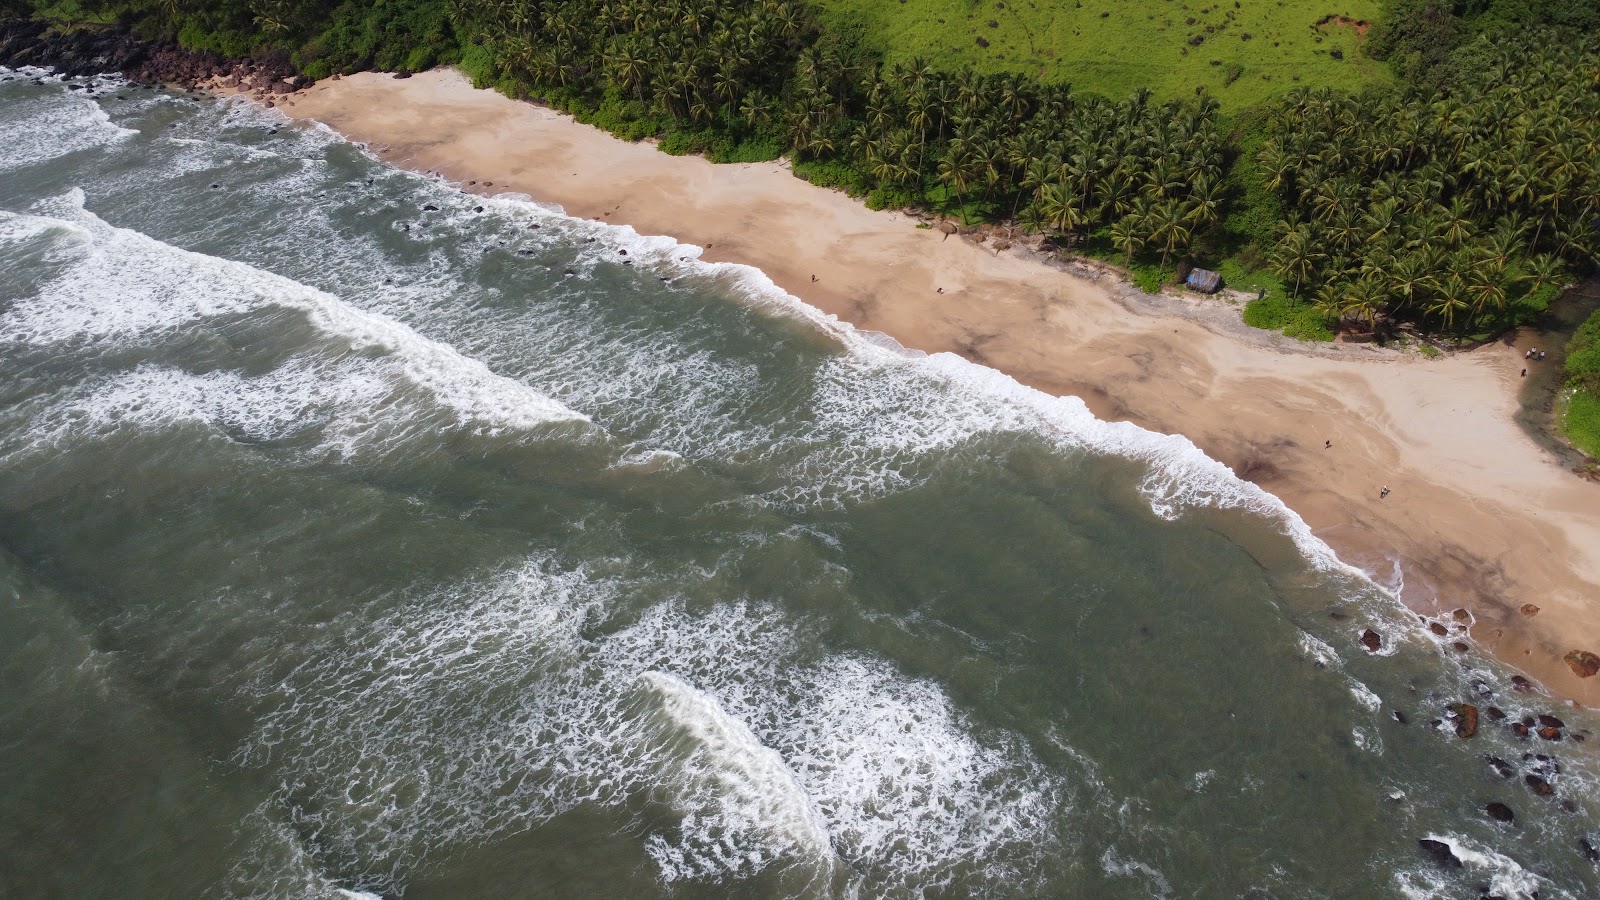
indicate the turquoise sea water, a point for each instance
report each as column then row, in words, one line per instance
column 352, row 546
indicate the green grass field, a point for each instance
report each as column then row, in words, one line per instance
column 1581, row 422
column 1248, row 51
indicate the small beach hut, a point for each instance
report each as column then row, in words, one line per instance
column 1203, row 280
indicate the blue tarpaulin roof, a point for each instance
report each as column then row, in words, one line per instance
column 1204, row 280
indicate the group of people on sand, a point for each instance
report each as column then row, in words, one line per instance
column 1535, row 354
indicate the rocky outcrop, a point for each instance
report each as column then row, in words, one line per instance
column 102, row 51
column 1439, row 852
column 1583, row 663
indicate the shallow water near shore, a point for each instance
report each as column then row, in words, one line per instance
column 361, row 535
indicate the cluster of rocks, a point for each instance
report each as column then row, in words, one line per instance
column 99, row 51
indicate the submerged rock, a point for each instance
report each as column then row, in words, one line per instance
column 1500, row 766
column 1500, row 812
column 1538, row 785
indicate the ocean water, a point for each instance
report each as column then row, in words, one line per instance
column 361, row 537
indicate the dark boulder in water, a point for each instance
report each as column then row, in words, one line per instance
column 1542, row 763
column 430, row 208
column 1550, row 734
column 1500, row 766
column 1495, row 713
column 1550, row 721
column 1538, row 785
column 1500, row 812
column 1371, row 640
column 1588, row 848
column 1438, row 628
column 1439, row 852
column 1400, row 717
column 1466, row 719
column 1519, row 729
column 477, row 209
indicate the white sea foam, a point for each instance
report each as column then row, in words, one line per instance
column 1115, row 865
column 765, row 757
column 1506, row 877
column 49, row 128
column 727, row 785
column 129, row 289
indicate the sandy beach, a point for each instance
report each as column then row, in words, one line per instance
column 1478, row 515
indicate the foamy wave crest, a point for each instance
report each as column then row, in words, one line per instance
column 1506, row 878
column 128, row 289
column 727, row 786
column 49, row 128
column 487, row 709
column 894, row 409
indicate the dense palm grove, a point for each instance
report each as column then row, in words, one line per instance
column 999, row 146
column 1456, row 202
column 1447, row 208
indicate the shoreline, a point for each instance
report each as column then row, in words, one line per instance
column 1479, row 516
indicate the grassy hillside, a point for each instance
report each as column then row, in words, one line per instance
column 1248, row 51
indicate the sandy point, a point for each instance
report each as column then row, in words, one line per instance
column 1478, row 515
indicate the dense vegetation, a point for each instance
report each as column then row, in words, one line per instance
column 1456, row 200
column 1582, row 417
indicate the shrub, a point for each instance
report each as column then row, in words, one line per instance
column 478, row 63
column 1306, row 324
column 1149, row 278
column 831, row 173
column 1581, row 421
column 1272, row 312
column 890, row 196
column 1583, row 356
column 420, row 60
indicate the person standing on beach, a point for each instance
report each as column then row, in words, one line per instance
column 1383, row 493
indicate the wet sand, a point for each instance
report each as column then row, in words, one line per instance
column 1478, row 515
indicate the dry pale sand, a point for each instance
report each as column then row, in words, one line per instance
column 1479, row 515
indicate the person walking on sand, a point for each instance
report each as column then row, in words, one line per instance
column 1327, row 445
column 1383, row 493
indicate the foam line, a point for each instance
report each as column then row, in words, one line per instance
column 127, row 287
